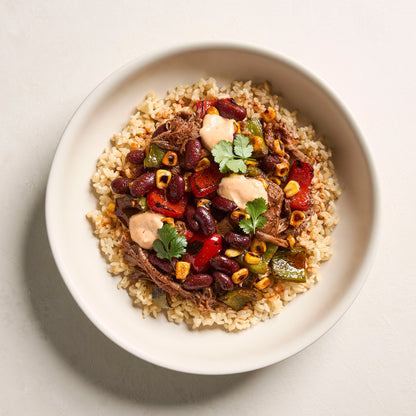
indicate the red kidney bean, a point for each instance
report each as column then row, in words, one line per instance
column 205, row 220
column 161, row 129
column 224, row 264
column 191, row 222
column 121, row 185
column 269, row 162
column 223, row 280
column 192, row 153
column 136, row 156
column 176, row 189
column 237, row 240
column 162, row 264
column 197, row 281
column 228, row 108
column 138, row 170
column 143, row 184
column 224, row 204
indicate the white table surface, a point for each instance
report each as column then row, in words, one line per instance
column 53, row 361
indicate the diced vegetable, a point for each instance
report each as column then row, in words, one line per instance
column 262, row 267
column 257, row 139
column 201, row 249
column 158, row 202
column 202, row 106
column 205, row 181
column 126, row 206
column 238, row 298
column 154, row 158
column 289, row 264
column 302, row 173
column 160, row 297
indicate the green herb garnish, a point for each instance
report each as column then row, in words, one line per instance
column 255, row 208
column 169, row 244
column 231, row 156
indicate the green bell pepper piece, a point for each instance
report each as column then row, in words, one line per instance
column 262, row 267
column 289, row 264
column 254, row 127
column 239, row 297
column 154, row 158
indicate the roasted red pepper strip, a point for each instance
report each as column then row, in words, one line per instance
column 157, row 201
column 205, row 181
column 202, row 106
column 201, row 249
column 302, row 173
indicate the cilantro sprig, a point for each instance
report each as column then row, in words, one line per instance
column 231, row 156
column 169, row 244
column 255, row 208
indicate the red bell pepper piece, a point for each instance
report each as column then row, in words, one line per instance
column 201, row 250
column 302, row 173
column 205, row 181
column 157, row 201
column 202, row 106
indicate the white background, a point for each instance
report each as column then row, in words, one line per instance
column 53, row 361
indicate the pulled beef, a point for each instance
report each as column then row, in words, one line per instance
column 179, row 130
column 134, row 254
column 275, row 197
column 268, row 238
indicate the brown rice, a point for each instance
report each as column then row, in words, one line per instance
column 316, row 237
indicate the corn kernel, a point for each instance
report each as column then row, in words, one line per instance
column 269, row 114
column 257, row 143
column 237, row 128
column 238, row 215
column 276, row 180
column 278, row 148
column 186, row 176
column 170, row 159
column 182, row 269
column 239, row 276
column 263, row 181
column 163, row 178
column 296, row 218
column 213, row 110
column 168, row 220
column 291, row 188
column 263, row 283
column 252, row 258
column 258, row 246
column 203, row 202
column 251, row 162
column 282, row 169
column 110, row 210
column 202, row 164
column 233, row 252
column 291, row 240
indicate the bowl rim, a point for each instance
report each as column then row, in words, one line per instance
column 129, row 68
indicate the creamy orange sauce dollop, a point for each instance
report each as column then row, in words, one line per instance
column 143, row 228
column 214, row 129
column 241, row 189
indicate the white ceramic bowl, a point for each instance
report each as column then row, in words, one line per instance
column 209, row 351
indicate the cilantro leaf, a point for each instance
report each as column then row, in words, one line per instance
column 236, row 165
column 231, row 156
column 169, row 244
column 242, row 146
column 255, row 208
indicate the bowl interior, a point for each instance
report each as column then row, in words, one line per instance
column 210, row 351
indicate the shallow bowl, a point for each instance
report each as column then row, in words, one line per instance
column 209, row 351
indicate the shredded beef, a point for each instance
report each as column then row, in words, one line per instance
column 135, row 255
column 275, row 198
column 271, row 239
column 179, row 130
column 281, row 132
